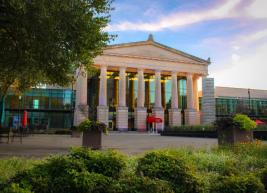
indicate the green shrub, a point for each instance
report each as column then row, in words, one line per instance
column 88, row 125
column 51, row 174
column 62, row 174
column 264, row 178
column 221, row 163
column 224, row 123
column 15, row 188
column 9, row 167
column 135, row 184
column 109, row 163
column 244, row 122
column 246, row 183
column 169, row 166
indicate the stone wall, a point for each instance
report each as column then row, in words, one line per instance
column 208, row 101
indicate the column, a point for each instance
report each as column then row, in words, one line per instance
column 122, row 109
column 116, row 92
column 195, row 89
column 102, row 109
column 174, row 99
column 141, row 88
column 147, row 93
column 81, row 107
column 174, row 112
column 103, row 87
column 191, row 114
column 158, row 90
column 158, row 111
column 163, row 90
column 140, row 110
column 131, row 103
column 189, row 91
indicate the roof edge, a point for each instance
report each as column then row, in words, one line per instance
column 152, row 42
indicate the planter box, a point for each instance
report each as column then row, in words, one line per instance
column 76, row 134
column 232, row 136
column 92, row 139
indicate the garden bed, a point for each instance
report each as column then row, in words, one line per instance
column 224, row 170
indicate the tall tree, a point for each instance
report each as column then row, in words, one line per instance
column 43, row 41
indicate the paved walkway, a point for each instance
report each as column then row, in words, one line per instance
column 130, row 143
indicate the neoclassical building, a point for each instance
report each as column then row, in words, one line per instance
column 141, row 79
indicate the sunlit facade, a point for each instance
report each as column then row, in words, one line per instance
column 132, row 96
column 141, row 79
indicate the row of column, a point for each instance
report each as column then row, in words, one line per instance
column 191, row 113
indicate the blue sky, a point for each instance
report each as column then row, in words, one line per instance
column 233, row 33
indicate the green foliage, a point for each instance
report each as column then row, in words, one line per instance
column 62, row 174
column 244, row 122
column 9, row 167
column 263, row 175
column 136, row 184
column 235, row 169
column 239, row 120
column 88, row 125
column 109, row 163
column 238, row 184
column 44, row 41
column 224, row 123
column 220, row 163
column 170, row 166
column 193, row 128
column 15, row 188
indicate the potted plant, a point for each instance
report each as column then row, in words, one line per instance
column 234, row 130
column 92, row 133
column 75, row 132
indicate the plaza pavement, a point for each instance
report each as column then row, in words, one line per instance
column 130, row 143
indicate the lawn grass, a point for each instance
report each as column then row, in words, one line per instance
column 9, row 167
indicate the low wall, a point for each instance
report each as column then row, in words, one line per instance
column 261, row 135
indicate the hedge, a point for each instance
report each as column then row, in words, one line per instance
column 239, row 169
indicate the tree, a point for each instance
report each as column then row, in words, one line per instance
column 44, row 41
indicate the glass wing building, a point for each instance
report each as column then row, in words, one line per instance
column 46, row 108
column 230, row 101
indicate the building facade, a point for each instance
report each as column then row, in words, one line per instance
column 134, row 81
column 144, row 78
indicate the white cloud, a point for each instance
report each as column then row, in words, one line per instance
column 247, row 70
column 239, row 61
column 179, row 19
column 251, row 38
column 235, row 58
column 257, row 9
column 236, row 48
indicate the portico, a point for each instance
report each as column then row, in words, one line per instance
column 146, row 77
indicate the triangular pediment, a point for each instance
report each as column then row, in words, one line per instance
column 153, row 50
